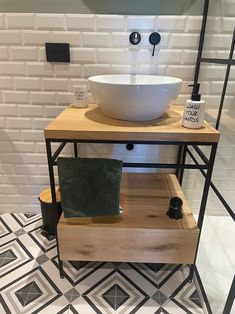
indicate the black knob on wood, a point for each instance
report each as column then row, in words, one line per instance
column 175, row 208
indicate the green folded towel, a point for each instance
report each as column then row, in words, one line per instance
column 89, row 186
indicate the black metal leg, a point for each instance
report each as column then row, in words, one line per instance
column 183, row 158
column 229, row 303
column 52, row 180
column 61, row 270
column 53, row 196
column 75, row 149
column 203, row 202
column 179, row 158
column 51, row 171
column 191, row 272
column 207, row 185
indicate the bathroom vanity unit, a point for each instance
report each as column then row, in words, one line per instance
column 143, row 232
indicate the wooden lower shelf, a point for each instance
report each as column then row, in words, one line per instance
column 142, row 233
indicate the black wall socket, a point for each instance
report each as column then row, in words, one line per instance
column 57, row 52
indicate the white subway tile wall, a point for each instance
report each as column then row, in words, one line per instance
column 20, row 21
column 33, row 91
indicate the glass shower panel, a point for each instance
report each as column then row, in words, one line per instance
column 219, row 29
column 216, row 262
column 216, row 254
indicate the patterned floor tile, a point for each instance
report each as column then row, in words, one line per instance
column 81, row 306
column 64, row 285
column 25, row 220
column 187, row 292
column 82, row 274
column 31, row 282
column 150, row 307
column 12, row 256
column 9, row 221
column 31, row 292
column 141, row 276
column 114, row 292
column 4, row 228
column 171, row 276
column 42, row 242
column 90, row 274
column 176, row 307
column 56, row 306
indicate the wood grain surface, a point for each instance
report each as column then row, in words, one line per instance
column 142, row 233
column 91, row 124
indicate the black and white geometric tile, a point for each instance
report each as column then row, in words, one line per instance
column 30, row 281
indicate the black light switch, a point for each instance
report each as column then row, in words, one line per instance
column 57, row 52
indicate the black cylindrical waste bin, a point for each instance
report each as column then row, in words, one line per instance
column 50, row 214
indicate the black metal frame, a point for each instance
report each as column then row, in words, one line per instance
column 229, row 62
column 230, row 299
column 205, row 165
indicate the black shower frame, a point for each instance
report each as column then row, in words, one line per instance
column 228, row 62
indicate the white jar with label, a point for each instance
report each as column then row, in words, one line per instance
column 80, row 99
column 194, row 110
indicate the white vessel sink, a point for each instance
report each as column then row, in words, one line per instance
column 134, row 97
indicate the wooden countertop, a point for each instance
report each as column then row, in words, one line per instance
column 90, row 124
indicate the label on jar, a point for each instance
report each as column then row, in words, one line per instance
column 194, row 113
column 80, row 96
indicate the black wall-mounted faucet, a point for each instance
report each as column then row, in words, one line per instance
column 154, row 40
column 135, row 38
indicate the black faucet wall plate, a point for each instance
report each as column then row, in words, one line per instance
column 135, row 38
column 57, row 52
column 154, row 40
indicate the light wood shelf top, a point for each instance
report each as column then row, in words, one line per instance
column 90, row 124
column 144, row 198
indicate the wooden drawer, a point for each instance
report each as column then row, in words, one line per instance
column 142, row 233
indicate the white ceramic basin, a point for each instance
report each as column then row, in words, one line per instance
column 134, row 97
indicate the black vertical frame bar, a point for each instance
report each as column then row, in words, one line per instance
column 179, row 158
column 201, row 41
column 75, row 149
column 204, row 201
column 53, row 197
column 51, row 171
column 207, row 185
column 202, row 290
column 225, row 82
column 230, row 299
column 181, row 174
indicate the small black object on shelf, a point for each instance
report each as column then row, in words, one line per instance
column 175, row 208
column 130, row 146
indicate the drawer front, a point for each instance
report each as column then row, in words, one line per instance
column 160, row 246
